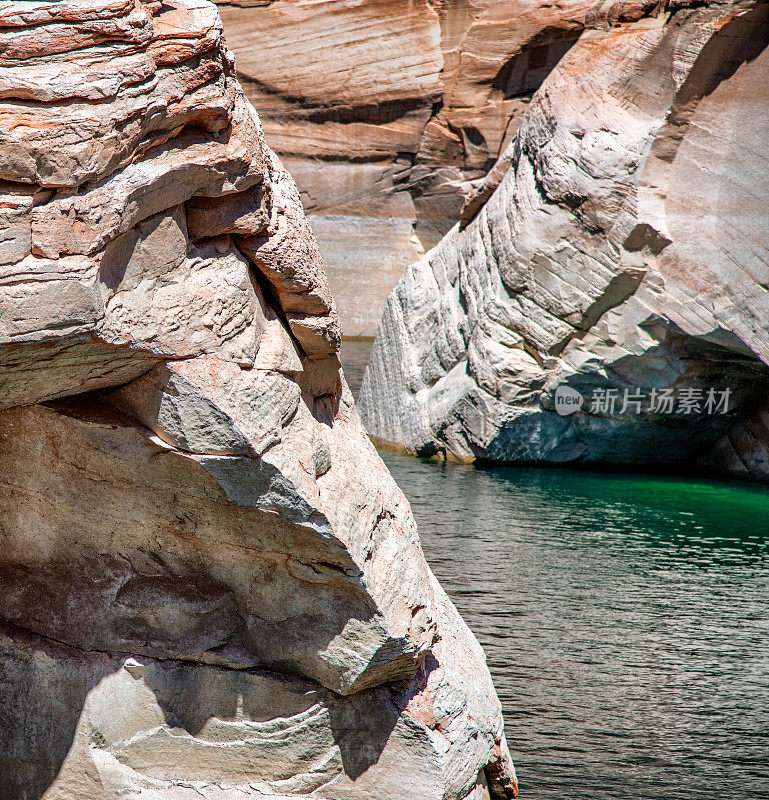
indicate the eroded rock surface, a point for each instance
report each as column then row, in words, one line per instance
column 624, row 251
column 211, row 585
column 387, row 112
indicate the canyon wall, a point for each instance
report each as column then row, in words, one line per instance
column 211, row 585
column 386, row 113
column 620, row 263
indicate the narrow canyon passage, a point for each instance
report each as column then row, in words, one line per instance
column 244, row 244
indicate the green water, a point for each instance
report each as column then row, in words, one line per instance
column 625, row 618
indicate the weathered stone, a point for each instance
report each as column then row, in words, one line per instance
column 171, row 401
column 369, row 257
column 190, row 164
column 234, row 213
column 318, row 335
column 206, row 304
column 15, row 227
column 286, row 253
column 154, row 730
column 388, row 112
column 211, row 585
column 625, row 250
column 85, row 139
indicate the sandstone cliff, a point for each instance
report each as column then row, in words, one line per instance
column 624, row 254
column 211, row 585
column 386, row 111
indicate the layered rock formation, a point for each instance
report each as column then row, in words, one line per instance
column 386, row 112
column 623, row 255
column 211, row 585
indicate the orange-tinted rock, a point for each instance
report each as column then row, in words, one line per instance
column 387, row 113
column 211, row 584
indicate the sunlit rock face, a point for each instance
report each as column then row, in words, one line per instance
column 211, row 587
column 624, row 250
column 387, row 112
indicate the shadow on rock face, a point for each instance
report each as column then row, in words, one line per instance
column 97, row 603
column 361, row 727
column 43, row 688
column 159, row 562
column 82, row 723
column 739, row 42
column 600, row 432
column 216, row 704
column 123, row 548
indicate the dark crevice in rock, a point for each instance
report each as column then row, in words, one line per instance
column 526, row 71
column 309, row 109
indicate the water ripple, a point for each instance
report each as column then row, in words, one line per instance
column 625, row 618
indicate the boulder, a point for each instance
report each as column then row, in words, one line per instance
column 211, row 585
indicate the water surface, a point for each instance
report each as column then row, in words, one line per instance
column 355, row 354
column 625, row 618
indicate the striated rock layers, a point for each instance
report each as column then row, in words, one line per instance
column 211, row 587
column 386, row 111
column 624, row 254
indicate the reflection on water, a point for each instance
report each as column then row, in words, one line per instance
column 625, row 620
column 355, row 355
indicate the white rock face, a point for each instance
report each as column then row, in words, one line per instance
column 625, row 251
column 211, row 585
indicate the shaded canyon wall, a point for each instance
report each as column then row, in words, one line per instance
column 387, row 112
